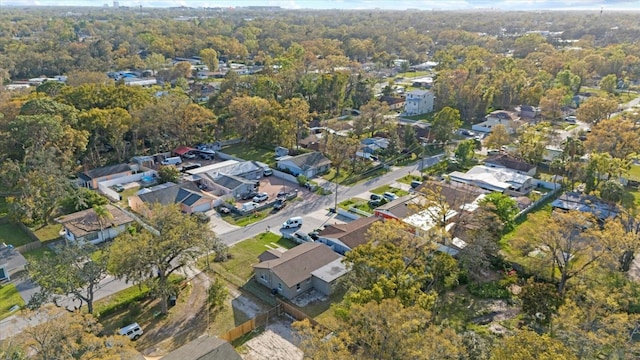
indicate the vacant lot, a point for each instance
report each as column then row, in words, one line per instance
column 13, row 235
column 248, row 152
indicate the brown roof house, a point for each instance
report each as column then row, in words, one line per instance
column 507, row 161
column 307, row 266
column 345, row 237
column 86, row 226
column 204, row 348
column 11, row 262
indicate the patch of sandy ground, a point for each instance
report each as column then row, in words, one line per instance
column 273, row 344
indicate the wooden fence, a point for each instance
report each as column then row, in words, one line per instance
column 28, row 247
column 264, row 318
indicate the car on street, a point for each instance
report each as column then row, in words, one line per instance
column 261, row 197
column 279, row 204
column 389, row 196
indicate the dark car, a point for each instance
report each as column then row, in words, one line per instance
column 279, row 204
column 415, row 184
column 249, row 195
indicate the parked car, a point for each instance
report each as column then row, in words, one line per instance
column 224, row 210
column 571, row 119
column 268, row 172
column 415, row 184
column 207, row 154
column 248, row 206
column 389, row 196
column 295, row 221
column 375, row 197
column 189, row 156
column 279, row 204
column 249, row 195
column 260, row 197
column 118, row 188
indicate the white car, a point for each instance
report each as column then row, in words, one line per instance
column 390, row 196
column 260, row 197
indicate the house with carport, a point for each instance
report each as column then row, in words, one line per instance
column 87, row 227
column 308, row 266
column 91, row 178
column 309, row 164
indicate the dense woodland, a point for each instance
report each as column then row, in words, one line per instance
column 404, row 298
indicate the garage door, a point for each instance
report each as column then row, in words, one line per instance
column 202, row 207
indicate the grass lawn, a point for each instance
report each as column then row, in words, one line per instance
column 331, row 176
column 631, row 199
column 248, row 219
column 249, row 152
column 367, row 175
column 407, row 179
column 125, row 195
column 358, row 203
column 4, row 209
column 634, row 172
column 12, row 234
column 386, row 188
column 48, row 233
column 413, row 74
column 9, row 297
column 36, row 254
column 426, row 117
column 238, row 270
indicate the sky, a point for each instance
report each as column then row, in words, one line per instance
column 357, row 4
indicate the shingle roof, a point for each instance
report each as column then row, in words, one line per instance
column 230, row 181
column 204, row 348
column 187, row 193
column 85, row 222
column 104, row 171
column 509, row 162
column 399, row 207
column 297, row 264
column 351, row 234
column 455, row 193
column 309, row 160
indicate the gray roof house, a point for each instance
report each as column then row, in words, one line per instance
column 232, row 185
column 91, row 178
column 187, row 195
column 311, row 265
column 204, row 348
column 585, row 203
column 345, row 237
column 309, row 164
column 11, row 262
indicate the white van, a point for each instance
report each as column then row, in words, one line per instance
column 292, row 222
column 133, row 331
column 172, row 161
column 248, row 206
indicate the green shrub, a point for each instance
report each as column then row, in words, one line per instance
column 489, row 290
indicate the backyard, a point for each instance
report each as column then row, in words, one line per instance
column 250, row 152
column 634, row 173
column 12, row 234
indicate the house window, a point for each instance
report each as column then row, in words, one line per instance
column 279, row 287
column 298, row 287
column 92, row 236
column 263, row 278
column 3, row 273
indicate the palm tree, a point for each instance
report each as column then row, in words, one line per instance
column 102, row 216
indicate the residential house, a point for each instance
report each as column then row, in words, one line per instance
column 187, row 195
column 309, row 164
column 457, row 195
column 495, row 179
column 11, row 262
column 91, row 178
column 345, row 237
column 550, row 153
column 281, row 151
column 499, row 117
column 307, row 266
column 529, row 112
column 85, row 226
column 204, row 348
column 311, row 142
column 425, row 82
column 231, row 185
column 509, row 162
column 399, row 208
column 395, row 103
column 418, row 102
column 586, row 203
column 374, row 145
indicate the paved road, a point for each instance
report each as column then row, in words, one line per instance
column 315, row 203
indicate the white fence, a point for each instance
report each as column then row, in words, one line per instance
column 348, row 214
column 284, row 176
column 103, row 186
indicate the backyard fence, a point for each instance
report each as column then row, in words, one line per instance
column 28, row 247
column 537, row 202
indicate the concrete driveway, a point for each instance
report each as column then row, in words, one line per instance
column 218, row 225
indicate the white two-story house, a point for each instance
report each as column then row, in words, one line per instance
column 418, row 102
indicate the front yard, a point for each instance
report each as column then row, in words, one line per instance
column 387, row 188
column 238, row 270
column 9, row 297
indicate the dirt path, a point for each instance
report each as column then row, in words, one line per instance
column 185, row 322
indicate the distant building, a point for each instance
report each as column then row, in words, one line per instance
column 418, row 102
column 495, row 179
